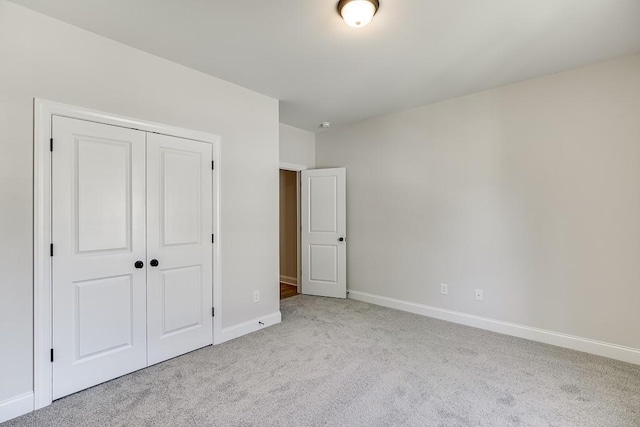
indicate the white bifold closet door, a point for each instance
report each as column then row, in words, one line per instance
column 122, row 198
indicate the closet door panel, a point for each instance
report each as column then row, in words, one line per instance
column 179, row 220
column 98, row 231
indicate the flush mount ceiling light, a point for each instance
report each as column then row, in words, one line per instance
column 357, row 13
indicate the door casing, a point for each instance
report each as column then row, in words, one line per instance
column 42, row 263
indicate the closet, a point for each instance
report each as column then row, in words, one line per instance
column 132, row 266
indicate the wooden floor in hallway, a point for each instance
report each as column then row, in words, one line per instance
column 287, row 291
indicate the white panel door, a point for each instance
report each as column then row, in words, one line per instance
column 179, row 246
column 324, row 246
column 98, row 230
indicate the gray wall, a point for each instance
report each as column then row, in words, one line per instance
column 42, row 57
column 530, row 192
column 297, row 146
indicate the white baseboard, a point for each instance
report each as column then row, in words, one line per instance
column 293, row 281
column 16, row 406
column 250, row 326
column 600, row 348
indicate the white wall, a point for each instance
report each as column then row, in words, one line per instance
column 297, row 146
column 530, row 192
column 45, row 58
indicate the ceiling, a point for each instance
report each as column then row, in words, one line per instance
column 414, row 52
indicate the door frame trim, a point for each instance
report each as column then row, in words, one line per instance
column 292, row 167
column 44, row 111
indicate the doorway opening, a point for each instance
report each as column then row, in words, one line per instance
column 289, row 233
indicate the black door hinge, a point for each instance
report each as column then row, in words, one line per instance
column 50, row 144
column 52, row 355
column 51, row 249
column 213, row 312
column 213, row 165
column 213, row 238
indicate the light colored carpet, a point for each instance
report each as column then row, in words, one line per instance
column 347, row 363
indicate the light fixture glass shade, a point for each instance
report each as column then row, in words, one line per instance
column 358, row 13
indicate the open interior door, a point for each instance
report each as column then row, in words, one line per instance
column 323, row 237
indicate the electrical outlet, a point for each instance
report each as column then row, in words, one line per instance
column 256, row 296
column 479, row 295
column 444, row 289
